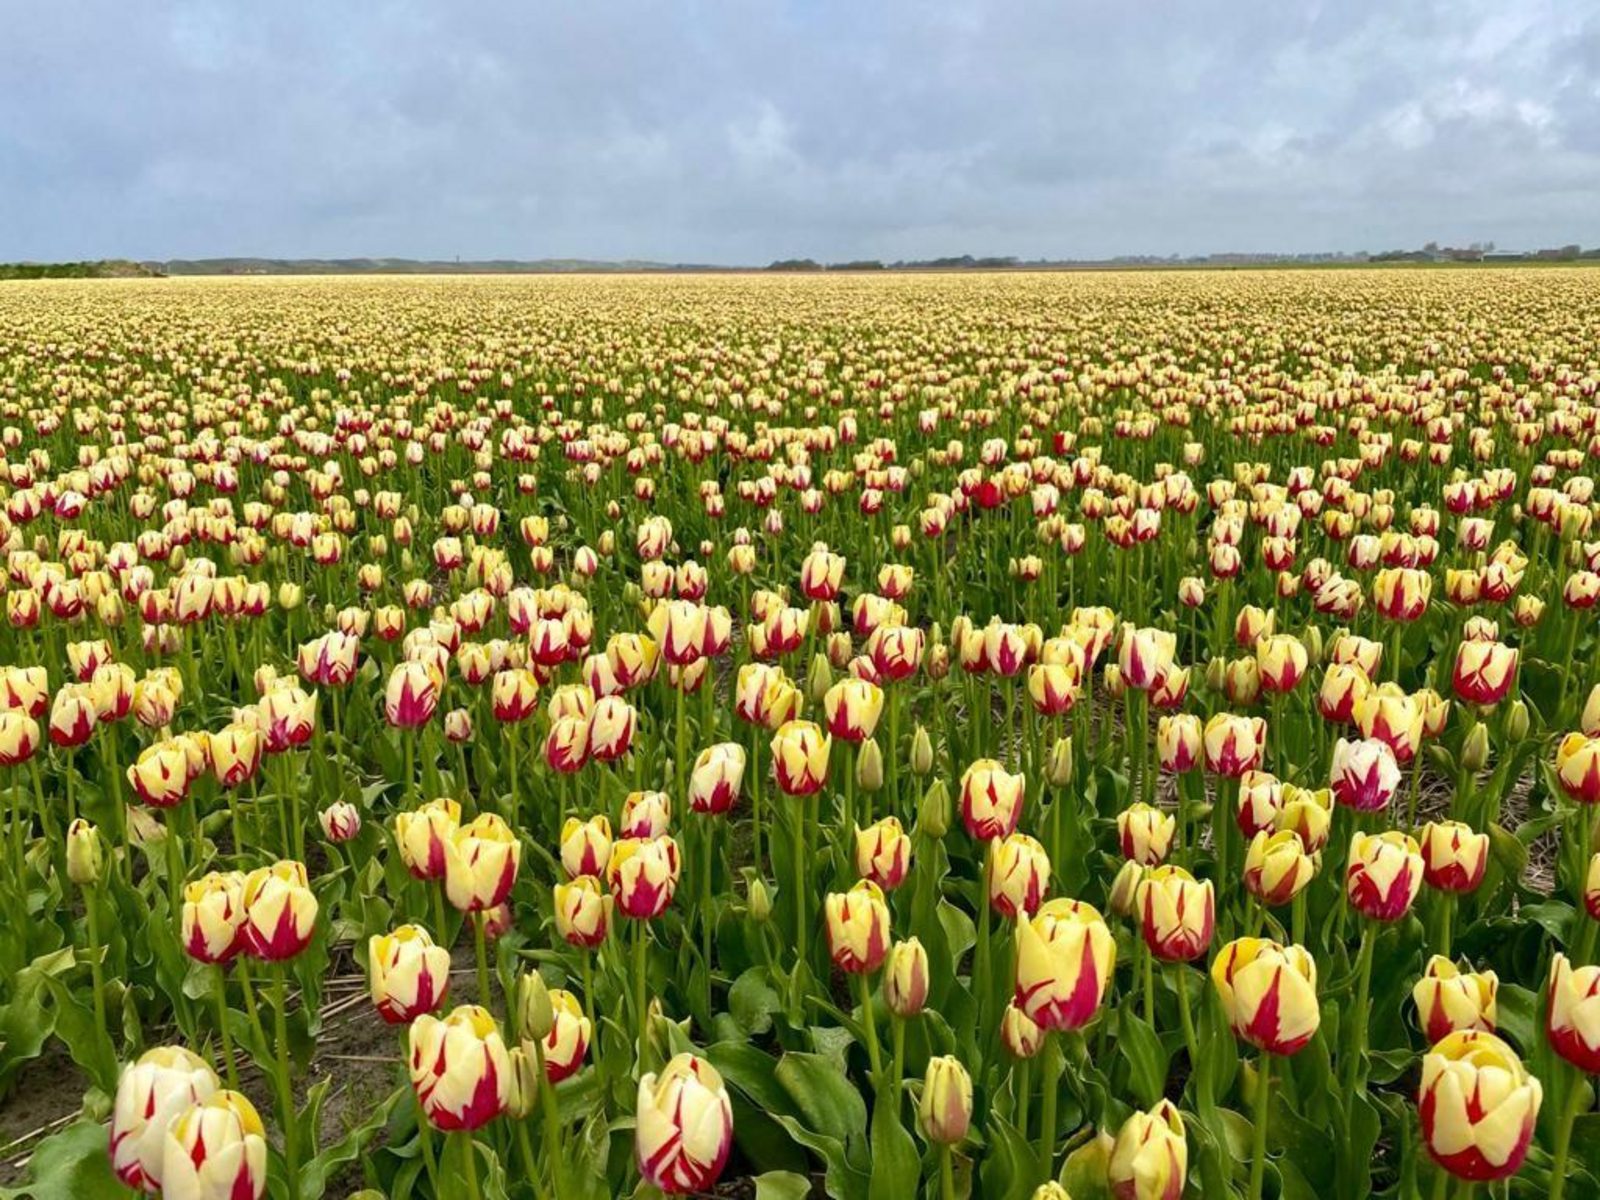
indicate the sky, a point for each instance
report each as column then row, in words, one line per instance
column 750, row 130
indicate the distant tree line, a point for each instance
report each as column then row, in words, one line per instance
column 105, row 268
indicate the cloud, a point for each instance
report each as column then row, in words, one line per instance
column 744, row 130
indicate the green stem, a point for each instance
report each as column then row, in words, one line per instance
column 947, row 1174
column 1357, row 1048
column 470, row 1153
column 222, row 1029
column 291, row 1133
column 1258, row 1152
column 1186, row 1015
column 870, row 1026
column 552, row 1120
column 481, row 945
column 641, row 943
column 1047, row 1125
column 1563, row 1144
column 91, row 905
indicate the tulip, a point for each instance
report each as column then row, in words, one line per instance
column 715, row 778
column 582, row 912
column 1281, row 661
column 853, row 707
column 1454, row 857
column 1150, row 1157
column 905, row 978
column 1064, row 961
column 1383, row 874
column 1176, row 914
column 151, row 1094
column 423, row 834
column 1388, row 715
column 408, row 974
column 1365, row 774
column 1344, row 685
column 288, row 718
column 1178, row 742
column 235, row 754
column 821, row 575
column 946, row 1106
column 1478, row 1106
column 280, row 911
column 411, row 695
column 858, row 927
column 1578, row 767
column 1268, row 993
column 1018, row 1033
column 585, row 846
column 1308, row 813
column 1572, row 1013
column 645, row 815
column 991, row 800
column 566, row 745
column 643, row 875
column 1145, row 833
column 683, row 1129
column 73, row 716
column 1277, row 867
column 567, row 1039
column 213, row 917
column 1402, row 593
column 459, row 1068
column 1233, row 744
column 1484, row 671
column 215, row 1150
column 1260, row 799
column 481, row 862
column 1124, row 888
column 19, row 738
column 883, row 853
column 340, row 821
column 1018, row 875
column 160, row 775
column 1448, row 999
column 1145, row 655
column 800, row 757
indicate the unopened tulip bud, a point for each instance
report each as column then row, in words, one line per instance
column 85, row 853
column 759, row 902
column 1125, row 888
column 922, row 752
column 1517, row 721
column 869, row 766
column 1059, row 768
column 1475, row 749
column 946, row 1108
column 535, row 1015
column 933, row 816
column 1021, row 1037
column 819, row 678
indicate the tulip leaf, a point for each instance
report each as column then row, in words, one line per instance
column 896, row 1169
column 1146, row 1056
column 71, row 1165
column 781, row 1185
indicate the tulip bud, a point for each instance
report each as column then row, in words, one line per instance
column 1478, row 1106
column 1059, row 768
column 933, row 814
column 819, row 678
column 1125, row 888
column 340, row 821
column 1150, row 1158
column 759, row 902
column 151, row 1094
column 1475, row 748
column 408, row 974
column 946, row 1107
column 1448, row 999
column 460, row 1069
column 858, row 927
column 905, row 978
column 1517, row 721
column 215, row 1150
column 535, row 1016
column 1268, row 993
column 1018, row 1033
column 683, row 1129
column 85, row 853
column 921, row 752
column 869, row 766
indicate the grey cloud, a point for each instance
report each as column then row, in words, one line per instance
column 753, row 129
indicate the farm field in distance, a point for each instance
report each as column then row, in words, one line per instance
column 1113, row 735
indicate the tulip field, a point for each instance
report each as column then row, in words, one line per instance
column 1124, row 735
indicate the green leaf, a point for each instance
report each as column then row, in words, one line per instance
column 1146, row 1057
column 781, row 1185
column 896, row 1169
column 72, row 1165
column 752, row 1001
